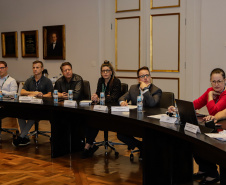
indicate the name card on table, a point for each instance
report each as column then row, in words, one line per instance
column 36, row 101
column 100, row 108
column 165, row 118
column 192, row 128
column 25, row 98
column 120, row 108
column 70, row 103
column 85, row 102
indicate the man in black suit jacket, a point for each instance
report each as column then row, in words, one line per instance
column 55, row 48
column 151, row 96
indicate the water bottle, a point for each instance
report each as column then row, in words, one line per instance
column 177, row 115
column 139, row 104
column 15, row 96
column 55, row 96
column 1, row 95
column 102, row 98
column 70, row 94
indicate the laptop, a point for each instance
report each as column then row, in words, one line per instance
column 188, row 115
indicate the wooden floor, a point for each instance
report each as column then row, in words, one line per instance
column 32, row 164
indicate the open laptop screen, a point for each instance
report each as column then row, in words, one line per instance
column 187, row 112
column 188, row 115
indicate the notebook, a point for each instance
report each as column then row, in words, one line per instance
column 188, row 115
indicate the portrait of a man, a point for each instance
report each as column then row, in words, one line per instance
column 54, row 42
column 55, row 47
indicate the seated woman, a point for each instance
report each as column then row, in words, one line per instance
column 111, row 86
column 215, row 101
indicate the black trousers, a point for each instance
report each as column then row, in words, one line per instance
column 206, row 166
column 130, row 141
column 91, row 134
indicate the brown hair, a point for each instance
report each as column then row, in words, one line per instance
column 218, row 71
column 65, row 64
column 3, row 62
column 142, row 68
column 38, row 62
column 108, row 64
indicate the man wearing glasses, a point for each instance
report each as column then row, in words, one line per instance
column 69, row 81
column 8, row 85
column 148, row 91
column 150, row 95
column 36, row 86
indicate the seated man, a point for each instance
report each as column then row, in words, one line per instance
column 36, row 86
column 8, row 85
column 151, row 96
column 69, row 81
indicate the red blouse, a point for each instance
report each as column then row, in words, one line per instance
column 213, row 106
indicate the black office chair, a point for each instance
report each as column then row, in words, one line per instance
column 86, row 90
column 13, row 131
column 167, row 99
column 106, row 143
column 37, row 132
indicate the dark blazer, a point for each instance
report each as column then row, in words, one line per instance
column 151, row 97
column 57, row 51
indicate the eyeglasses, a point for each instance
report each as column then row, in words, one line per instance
column 66, row 70
column 2, row 67
column 217, row 82
column 105, row 71
column 142, row 76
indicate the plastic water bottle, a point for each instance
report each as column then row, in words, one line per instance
column 177, row 115
column 15, row 96
column 139, row 104
column 55, row 96
column 70, row 94
column 102, row 98
column 1, row 95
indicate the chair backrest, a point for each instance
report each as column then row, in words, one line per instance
column 20, row 86
column 86, row 91
column 124, row 88
column 166, row 100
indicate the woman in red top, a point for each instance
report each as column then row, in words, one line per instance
column 215, row 97
column 215, row 100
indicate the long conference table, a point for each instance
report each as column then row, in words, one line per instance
column 167, row 147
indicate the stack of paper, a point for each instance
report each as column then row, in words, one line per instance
column 219, row 136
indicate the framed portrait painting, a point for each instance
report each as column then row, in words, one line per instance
column 54, row 42
column 29, row 43
column 9, row 44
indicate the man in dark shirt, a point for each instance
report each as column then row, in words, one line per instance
column 69, row 81
column 36, row 86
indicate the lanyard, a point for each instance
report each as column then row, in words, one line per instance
column 37, row 83
column 103, row 88
column 4, row 81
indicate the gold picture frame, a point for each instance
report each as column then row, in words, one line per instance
column 29, row 43
column 9, row 44
column 167, row 6
column 54, row 46
column 126, row 10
